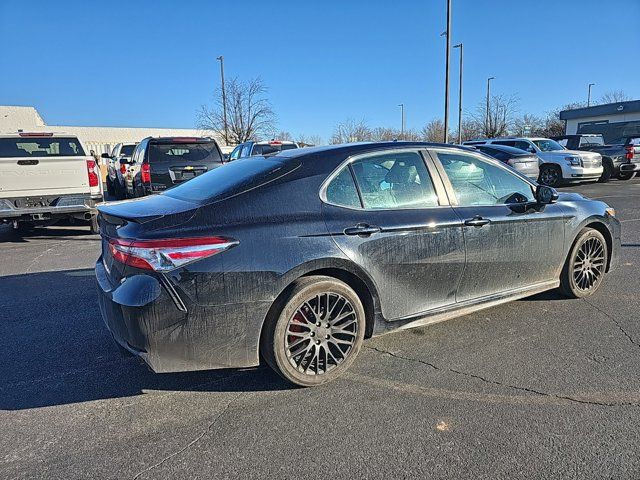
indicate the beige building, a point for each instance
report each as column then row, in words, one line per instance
column 99, row 139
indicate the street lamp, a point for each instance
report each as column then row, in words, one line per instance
column 446, row 75
column 460, row 46
column 589, row 95
column 224, row 100
column 401, row 119
column 488, row 96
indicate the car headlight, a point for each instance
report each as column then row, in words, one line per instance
column 573, row 160
column 611, row 211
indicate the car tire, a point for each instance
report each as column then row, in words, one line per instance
column 586, row 264
column 314, row 332
column 550, row 175
column 94, row 226
column 607, row 172
column 626, row 176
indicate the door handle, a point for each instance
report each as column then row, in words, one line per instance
column 362, row 229
column 477, row 221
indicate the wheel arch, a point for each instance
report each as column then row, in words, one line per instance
column 340, row 269
column 606, row 233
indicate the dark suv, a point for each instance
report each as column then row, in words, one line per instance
column 160, row 163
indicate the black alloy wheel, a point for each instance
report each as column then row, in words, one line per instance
column 317, row 333
column 550, row 175
column 585, row 268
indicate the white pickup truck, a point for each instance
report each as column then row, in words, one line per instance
column 45, row 178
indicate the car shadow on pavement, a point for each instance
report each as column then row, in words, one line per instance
column 56, row 350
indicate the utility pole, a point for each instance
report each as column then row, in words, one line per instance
column 488, row 104
column 446, row 75
column 401, row 119
column 589, row 95
column 224, row 100
column 460, row 46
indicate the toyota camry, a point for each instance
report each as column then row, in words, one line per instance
column 297, row 258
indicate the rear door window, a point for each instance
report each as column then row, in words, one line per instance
column 394, row 180
column 342, row 190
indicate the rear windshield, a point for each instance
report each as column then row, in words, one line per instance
column 595, row 141
column 184, row 153
column 40, row 147
column 231, row 179
column 268, row 149
column 127, row 150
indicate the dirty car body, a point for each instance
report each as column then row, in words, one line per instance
column 263, row 223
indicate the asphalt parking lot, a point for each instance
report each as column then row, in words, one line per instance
column 539, row 388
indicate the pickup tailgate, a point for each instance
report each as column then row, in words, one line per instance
column 20, row 176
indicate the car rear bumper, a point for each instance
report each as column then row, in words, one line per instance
column 63, row 205
column 145, row 317
column 630, row 167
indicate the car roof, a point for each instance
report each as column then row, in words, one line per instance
column 502, row 148
column 345, row 150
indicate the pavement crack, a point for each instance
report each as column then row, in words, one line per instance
column 613, row 319
column 501, row 384
column 409, row 359
column 192, row 442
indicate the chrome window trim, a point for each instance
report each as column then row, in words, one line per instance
column 422, row 151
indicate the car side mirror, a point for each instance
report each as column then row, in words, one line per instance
column 546, row 195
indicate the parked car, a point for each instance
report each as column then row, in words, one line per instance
column 299, row 256
column 45, row 178
column 117, row 164
column 618, row 160
column 558, row 165
column 160, row 163
column 252, row 149
column 524, row 162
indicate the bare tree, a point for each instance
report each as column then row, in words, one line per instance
column 382, row 134
column 614, row 96
column 308, row 140
column 284, row 135
column 351, row 131
column 527, row 125
column 249, row 113
column 501, row 112
column 471, row 130
column 433, row 131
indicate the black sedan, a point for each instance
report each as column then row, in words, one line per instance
column 524, row 162
column 300, row 256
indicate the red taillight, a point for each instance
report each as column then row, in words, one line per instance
column 92, row 171
column 629, row 152
column 167, row 254
column 123, row 168
column 145, row 172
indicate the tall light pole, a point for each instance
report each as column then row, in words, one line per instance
column 488, row 97
column 446, row 75
column 401, row 119
column 589, row 95
column 224, row 100
column 461, row 47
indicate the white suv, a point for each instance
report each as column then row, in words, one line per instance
column 557, row 164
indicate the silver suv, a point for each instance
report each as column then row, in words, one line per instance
column 252, row 149
column 557, row 164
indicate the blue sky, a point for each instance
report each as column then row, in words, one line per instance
column 144, row 63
